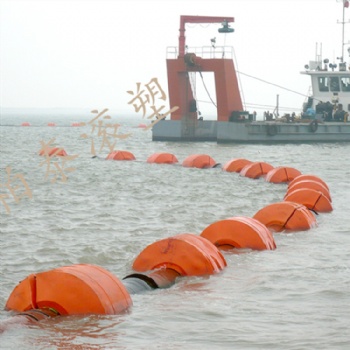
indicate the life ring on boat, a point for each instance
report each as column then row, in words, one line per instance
column 313, row 125
column 271, row 129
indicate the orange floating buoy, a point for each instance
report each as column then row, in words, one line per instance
column 71, row 290
column 308, row 177
column 77, row 124
column 187, row 254
column 315, row 185
column 51, row 124
column 56, row 151
column 236, row 165
column 162, row 158
column 286, row 216
column 25, row 124
column 142, row 126
column 312, row 199
column 201, row 161
column 256, row 170
column 282, row 174
column 239, row 232
column 120, row 155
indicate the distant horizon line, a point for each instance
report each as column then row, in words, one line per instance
column 90, row 108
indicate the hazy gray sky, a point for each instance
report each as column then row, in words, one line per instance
column 72, row 53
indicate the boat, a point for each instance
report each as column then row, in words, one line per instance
column 324, row 116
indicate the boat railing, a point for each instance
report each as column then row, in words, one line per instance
column 203, row 51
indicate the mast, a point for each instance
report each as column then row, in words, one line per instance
column 342, row 41
column 345, row 5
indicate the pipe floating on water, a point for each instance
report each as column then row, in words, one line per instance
column 239, row 232
column 256, row 170
column 202, row 161
column 312, row 199
column 39, row 314
column 25, row 124
column 162, row 158
column 161, row 278
column 236, row 165
column 286, row 216
column 187, row 254
column 71, row 290
column 308, row 177
column 314, row 185
column 282, row 174
column 27, row 318
column 120, row 155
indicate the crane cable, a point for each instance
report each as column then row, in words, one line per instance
column 205, row 87
column 279, row 86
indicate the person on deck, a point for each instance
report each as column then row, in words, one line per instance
column 339, row 114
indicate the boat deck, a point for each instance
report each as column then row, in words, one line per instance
column 252, row 132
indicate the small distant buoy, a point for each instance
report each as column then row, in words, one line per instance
column 76, row 124
column 25, row 124
column 71, row 290
column 239, row 232
column 120, row 155
column 236, row 165
column 315, row 185
column 162, row 158
column 312, row 199
column 256, row 170
column 142, row 126
column 202, row 161
column 282, row 174
column 56, row 151
column 307, row 177
column 187, row 254
column 51, row 124
column 286, row 216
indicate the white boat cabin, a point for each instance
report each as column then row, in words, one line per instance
column 330, row 89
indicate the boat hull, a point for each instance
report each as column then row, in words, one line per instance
column 251, row 132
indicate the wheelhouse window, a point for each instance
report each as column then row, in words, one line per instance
column 323, row 83
column 334, row 84
column 345, row 84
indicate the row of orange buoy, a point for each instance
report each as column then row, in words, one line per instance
column 308, row 192
column 142, row 126
column 90, row 289
column 53, row 124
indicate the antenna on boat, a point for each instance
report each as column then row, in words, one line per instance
column 318, row 55
column 345, row 5
column 276, row 110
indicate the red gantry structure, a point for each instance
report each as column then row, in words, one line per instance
column 226, row 84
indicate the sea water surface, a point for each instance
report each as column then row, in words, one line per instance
column 107, row 212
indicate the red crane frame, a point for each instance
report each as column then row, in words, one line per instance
column 226, row 84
